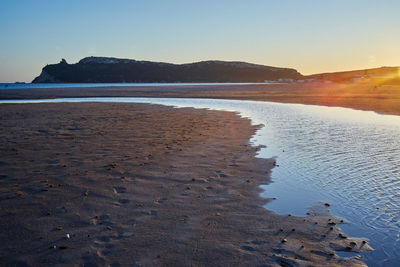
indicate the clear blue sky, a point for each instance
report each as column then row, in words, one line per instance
column 309, row 35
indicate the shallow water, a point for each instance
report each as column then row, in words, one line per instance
column 346, row 157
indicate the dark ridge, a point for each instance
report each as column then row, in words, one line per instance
column 114, row 70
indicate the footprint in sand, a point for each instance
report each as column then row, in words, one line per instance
column 124, row 201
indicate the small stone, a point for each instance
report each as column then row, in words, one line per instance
column 86, row 194
column 53, row 247
column 293, row 229
column 109, row 227
column 331, row 228
column 342, row 235
column 348, row 248
column 284, row 240
column 353, row 243
column 59, row 227
column 331, row 223
column 364, row 242
column 67, row 236
column 327, row 204
column 218, row 214
column 281, row 229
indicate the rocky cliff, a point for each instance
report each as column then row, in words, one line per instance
column 114, row 70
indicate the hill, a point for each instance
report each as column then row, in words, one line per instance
column 112, row 70
column 382, row 75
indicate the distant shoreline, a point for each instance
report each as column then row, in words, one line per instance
column 380, row 98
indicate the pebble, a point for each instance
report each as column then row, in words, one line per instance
column 67, row 236
column 218, row 214
column 342, row 235
column 284, row 240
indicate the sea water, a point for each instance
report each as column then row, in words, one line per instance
column 9, row 86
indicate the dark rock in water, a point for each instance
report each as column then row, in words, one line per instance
column 342, row 235
column 114, row 70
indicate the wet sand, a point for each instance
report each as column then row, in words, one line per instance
column 145, row 185
column 377, row 97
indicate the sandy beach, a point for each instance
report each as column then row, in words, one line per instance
column 146, row 185
column 363, row 96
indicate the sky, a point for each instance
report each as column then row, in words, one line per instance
column 312, row 36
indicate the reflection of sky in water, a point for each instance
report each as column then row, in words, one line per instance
column 346, row 157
